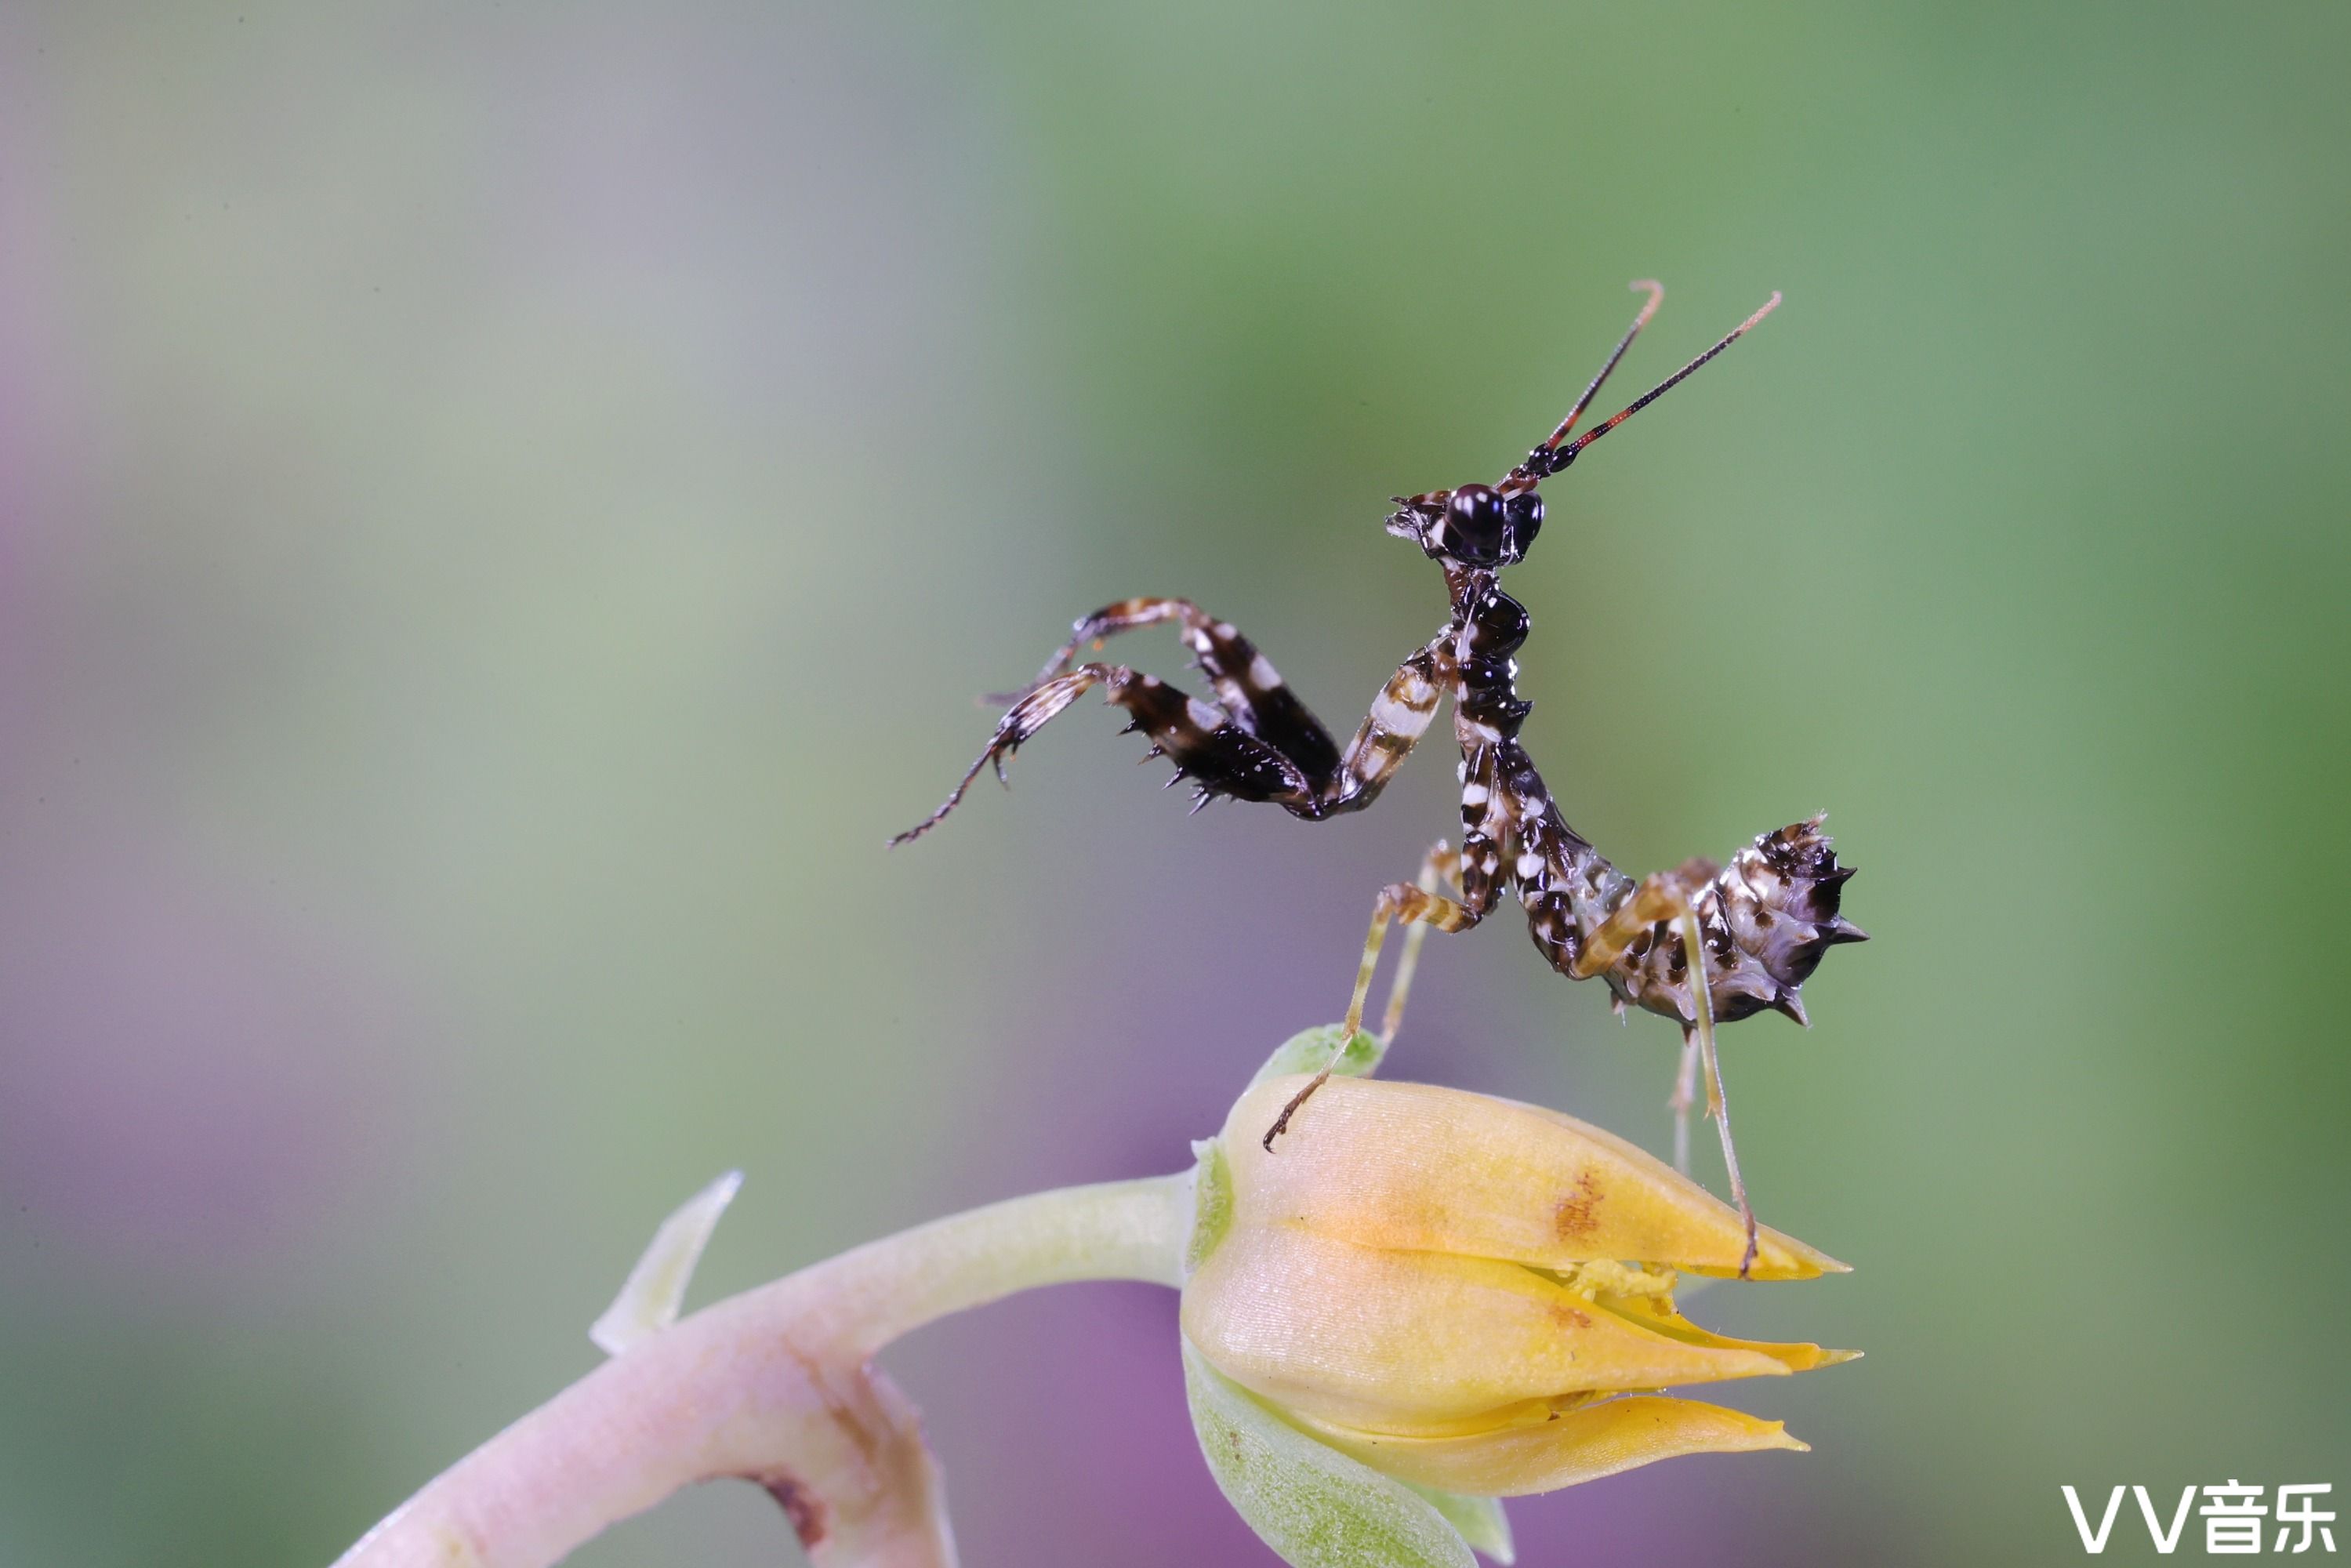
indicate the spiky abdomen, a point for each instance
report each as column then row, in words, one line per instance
column 1766, row 920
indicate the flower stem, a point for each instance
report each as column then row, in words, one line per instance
column 775, row 1386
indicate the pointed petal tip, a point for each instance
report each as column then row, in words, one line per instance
column 1839, row 1357
column 1583, row 1445
column 1780, row 1257
column 1723, row 1360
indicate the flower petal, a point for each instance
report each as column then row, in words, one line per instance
column 1393, row 1341
column 1660, row 1317
column 1419, row 1167
column 1578, row 1445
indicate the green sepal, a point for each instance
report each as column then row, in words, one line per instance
column 1313, row 1504
column 1212, row 1203
column 1313, row 1049
column 1480, row 1521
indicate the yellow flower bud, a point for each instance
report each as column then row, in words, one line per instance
column 1464, row 1292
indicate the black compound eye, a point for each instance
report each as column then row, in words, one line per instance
column 1473, row 523
column 1521, row 520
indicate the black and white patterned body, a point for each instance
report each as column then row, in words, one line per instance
column 1755, row 929
column 1765, row 920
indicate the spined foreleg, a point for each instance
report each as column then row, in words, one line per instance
column 1252, row 692
column 1218, row 756
column 1261, row 745
column 1248, row 688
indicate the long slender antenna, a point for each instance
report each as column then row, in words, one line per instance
column 1656, row 298
column 1561, row 457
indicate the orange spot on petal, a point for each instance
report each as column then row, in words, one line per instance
column 1578, row 1213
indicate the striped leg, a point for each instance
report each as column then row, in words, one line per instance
column 1208, row 747
column 1400, row 716
column 1487, row 830
column 1247, row 685
column 1476, row 872
column 1441, row 869
column 1399, row 901
column 1260, row 744
column 1659, row 898
column 1655, row 899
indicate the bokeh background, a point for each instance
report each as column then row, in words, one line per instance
column 504, row 509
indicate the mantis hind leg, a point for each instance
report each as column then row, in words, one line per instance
column 1439, row 869
column 1685, row 1095
column 1662, row 908
column 1415, row 906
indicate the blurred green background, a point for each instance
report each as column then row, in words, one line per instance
column 503, row 509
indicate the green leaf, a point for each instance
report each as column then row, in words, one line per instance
column 1313, row 1504
column 1479, row 1520
column 1312, row 1049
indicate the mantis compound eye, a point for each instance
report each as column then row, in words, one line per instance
column 1473, row 525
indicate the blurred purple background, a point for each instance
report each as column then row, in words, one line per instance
column 502, row 511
